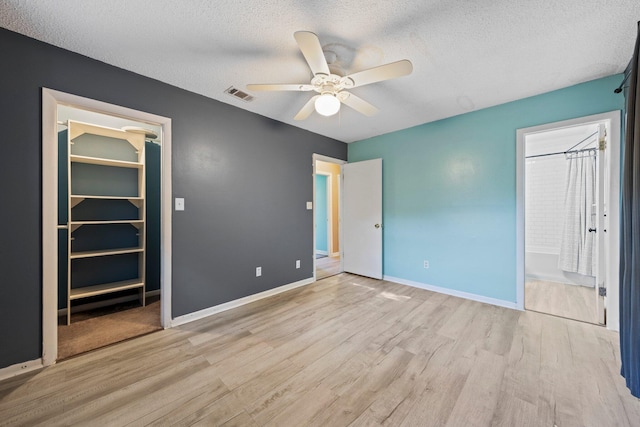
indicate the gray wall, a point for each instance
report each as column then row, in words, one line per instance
column 245, row 179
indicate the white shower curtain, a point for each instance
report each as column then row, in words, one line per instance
column 577, row 245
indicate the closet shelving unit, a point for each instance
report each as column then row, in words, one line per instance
column 111, row 153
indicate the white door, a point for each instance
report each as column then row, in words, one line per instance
column 362, row 218
column 601, row 223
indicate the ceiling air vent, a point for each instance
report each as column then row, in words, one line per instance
column 239, row 94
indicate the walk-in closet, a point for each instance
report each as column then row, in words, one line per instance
column 108, row 230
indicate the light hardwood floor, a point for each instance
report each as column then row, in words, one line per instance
column 344, row 351
column 327, row 267
column 560, row 299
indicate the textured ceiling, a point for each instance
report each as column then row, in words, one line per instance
column 466, row 54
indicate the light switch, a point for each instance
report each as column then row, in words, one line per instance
column 179, row 203
column 309, row 206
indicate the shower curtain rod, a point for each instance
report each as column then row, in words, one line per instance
column 569, row 151
column 562, row 152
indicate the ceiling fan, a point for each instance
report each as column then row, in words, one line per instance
column 331, row 88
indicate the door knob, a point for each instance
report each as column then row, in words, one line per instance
column 377, row 226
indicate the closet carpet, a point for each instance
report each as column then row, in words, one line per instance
column 101, row 327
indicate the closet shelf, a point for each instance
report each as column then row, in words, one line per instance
column 74, row 225
column 120, row 221
column 121, row 182
column 76, row 199
column 104, row 162
column 104, row 252
column 80, row 196
column 105, row 288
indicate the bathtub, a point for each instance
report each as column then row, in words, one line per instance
column 542, row 264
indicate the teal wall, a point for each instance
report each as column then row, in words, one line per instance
column 449, row 189
column 321, row 213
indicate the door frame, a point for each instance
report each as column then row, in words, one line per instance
column 50, row 101
column 612, row 241
column 322, row 158
column 329, row 211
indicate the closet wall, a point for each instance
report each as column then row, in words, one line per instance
column 228, row 164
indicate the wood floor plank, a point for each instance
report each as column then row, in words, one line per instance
column 269, row 405
column 327, row 267
column 395, row 401
column 241, row 420
column 561, row 299
column 478, row 399
column 443, row 386
column 108, row 402
column 512, row 411
column 182, row 407
column 163, row 400
column 106, row 378
column 355, row 399
column 523, row 368
column 347, row 350
column 309, row 405
column 214, row 414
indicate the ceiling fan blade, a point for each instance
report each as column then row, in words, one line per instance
column 358, row 104
column 307, row 109
column 272, row 87
column 312, row 50
column 378, row 74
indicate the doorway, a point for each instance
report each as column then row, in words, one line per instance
column 100, row 256
column 327, row 211
column 59, row 111
column 568, row 218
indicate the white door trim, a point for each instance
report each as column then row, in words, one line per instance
column 613, row 203
column 329, row 176
column 336, row 251
column 50, row 100
column 322, row 158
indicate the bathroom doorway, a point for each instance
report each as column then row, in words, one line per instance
column 569, row 224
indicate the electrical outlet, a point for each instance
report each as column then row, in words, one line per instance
column 297, row 263
column 258, row 271
column 425, row 263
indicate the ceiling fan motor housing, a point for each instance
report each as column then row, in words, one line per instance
column 331, row 83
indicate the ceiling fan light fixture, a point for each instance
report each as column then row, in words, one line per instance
column 327, row 104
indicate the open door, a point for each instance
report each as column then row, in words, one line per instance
column 600, row 225
column 362, row 218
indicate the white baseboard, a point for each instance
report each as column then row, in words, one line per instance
column 20, row 368
column 201, row 314
column 335, row 254
column 318, row 252
column 453, row 292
